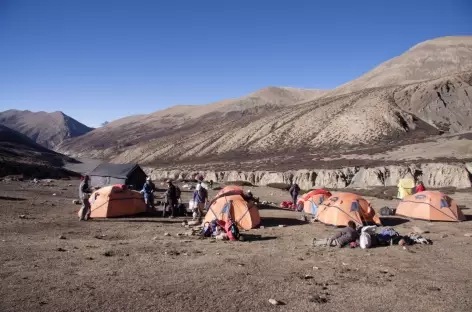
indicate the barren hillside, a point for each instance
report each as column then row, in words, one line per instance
column 47, row 129
column 19, row 155
column 427, row 60
column 278, row 121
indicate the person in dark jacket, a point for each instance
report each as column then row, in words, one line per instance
column 171, row 199
column 84, row 195
column 294, row 192
column 148, row 192
column 344, row 237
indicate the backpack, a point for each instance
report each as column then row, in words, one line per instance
column 365, row 240
column 386, row 211
column 232, row 230
column 178, row 192
column 388, row 236
column 207, row 230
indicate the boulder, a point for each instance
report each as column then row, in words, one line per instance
column 330, row 179
column 368, row 177
column 305, row 179
column 275, row 177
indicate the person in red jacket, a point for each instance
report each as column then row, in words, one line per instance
column 419, row 187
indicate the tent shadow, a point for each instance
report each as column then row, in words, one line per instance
column 141, row 218
column 274, row 222
column 254, row 237
column 393, row 221
column 468, row 217
column 12, row 198
column 267, row 207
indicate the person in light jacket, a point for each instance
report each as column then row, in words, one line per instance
column 84, row 194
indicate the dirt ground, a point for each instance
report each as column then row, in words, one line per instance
column 130, row 265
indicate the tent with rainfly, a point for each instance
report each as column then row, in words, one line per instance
column 312, row 199
column 232, row 204
column 341, row 208
column 431, row 206
column 116, row 201
column 230, row 188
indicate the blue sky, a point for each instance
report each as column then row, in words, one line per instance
column 101, row 60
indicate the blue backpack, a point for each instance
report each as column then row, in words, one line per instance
column 207, row 229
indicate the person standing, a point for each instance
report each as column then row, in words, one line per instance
column 294, row 191
column 84, row 194
column 200, row 198
column 419, row 187
column 171, row 199
column 148, row 191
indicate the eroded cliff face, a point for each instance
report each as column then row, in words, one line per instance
column 434, row 175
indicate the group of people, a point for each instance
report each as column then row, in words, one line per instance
column 171, row 202
column 171, row 198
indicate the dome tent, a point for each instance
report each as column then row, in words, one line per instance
column 232, row 204
column 431, row 206
column 341, row 208
column 312, row 199
column 116, row 201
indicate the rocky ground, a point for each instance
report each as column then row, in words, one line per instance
column 52, row 262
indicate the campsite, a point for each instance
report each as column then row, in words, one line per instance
column 51, row 262
column 236, row 156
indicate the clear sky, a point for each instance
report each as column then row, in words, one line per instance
column 99, row 60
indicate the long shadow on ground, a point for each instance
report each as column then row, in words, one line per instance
column 12, row 198
column 273, row 222
column 135, row 220
column 392, row 221
column 253, row 237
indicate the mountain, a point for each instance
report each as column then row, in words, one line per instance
column 425, row 61
column 108, row 139
column 418, row 95
column 47, row 129
column 21, row 155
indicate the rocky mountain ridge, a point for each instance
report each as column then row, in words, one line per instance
column 433, row 175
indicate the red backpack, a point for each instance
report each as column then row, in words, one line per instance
column 232, row 230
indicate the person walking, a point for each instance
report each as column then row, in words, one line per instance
column 171, row 199
column 294, row 192
column 84, row 195
column 200, row 198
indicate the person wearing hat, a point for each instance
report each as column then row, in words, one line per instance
column 171, row 199
column 84, row 194
column 248, row 196
column 200, row 197
column 148, row 191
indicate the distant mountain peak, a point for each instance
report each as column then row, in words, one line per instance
column 46, row 129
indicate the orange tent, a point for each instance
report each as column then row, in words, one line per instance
column 312, row 199
column 116, row 201
column 340, row 208
column 431, row 206
column 230, row 188
column 245, row 214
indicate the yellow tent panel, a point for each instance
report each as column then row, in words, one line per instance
column 405, row 188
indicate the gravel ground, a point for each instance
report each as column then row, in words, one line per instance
column 51, row 262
